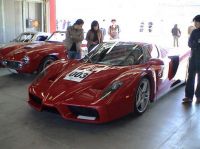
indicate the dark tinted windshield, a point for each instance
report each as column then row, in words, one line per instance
column 119, row 54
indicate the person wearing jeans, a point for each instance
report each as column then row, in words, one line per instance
column 74, row 38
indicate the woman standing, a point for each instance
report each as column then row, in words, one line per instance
column 94, row 36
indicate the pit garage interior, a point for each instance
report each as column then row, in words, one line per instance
column 167, row 123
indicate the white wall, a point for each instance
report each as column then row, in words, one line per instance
column 13, row 14
column 129, row 14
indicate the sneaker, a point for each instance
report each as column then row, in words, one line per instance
column 187, row 100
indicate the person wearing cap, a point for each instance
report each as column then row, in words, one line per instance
column 94, row 36
column 74, row 38
column 114, row 30
column 194, row 64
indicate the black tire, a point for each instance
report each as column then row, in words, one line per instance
column 142, row 97
column 45, row 62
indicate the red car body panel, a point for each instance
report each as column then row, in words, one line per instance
column 12, row 46
column 72, row 99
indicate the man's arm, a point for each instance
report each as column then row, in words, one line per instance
column 78, row 38
column 191, row 40
column 67, row 37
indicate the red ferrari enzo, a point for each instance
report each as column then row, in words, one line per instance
column 113, row 80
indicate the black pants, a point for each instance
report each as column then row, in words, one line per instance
column 190, row 83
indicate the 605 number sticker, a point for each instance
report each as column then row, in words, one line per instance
column 77, row 75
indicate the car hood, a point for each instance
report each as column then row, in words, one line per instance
column 65, row 87
column 11, row 47
column 31, row 48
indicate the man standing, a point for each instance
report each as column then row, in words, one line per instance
column 176, row 33
column 194, row 63
column 74, row 38
column 113, row 30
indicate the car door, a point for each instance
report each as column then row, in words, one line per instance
column 160, row 65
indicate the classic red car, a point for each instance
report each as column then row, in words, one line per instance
column 22, row 40
column 113, row 80
column 34, row 57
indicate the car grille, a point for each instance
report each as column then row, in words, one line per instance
column 35, row 99
column 50, row 109
column 83, row 111
column 12, row 64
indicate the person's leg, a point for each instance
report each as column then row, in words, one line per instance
column 174, row 41
column 78, row 55
column 197, row 92
column 177, row 41
column 72, row 54
column 189, row 89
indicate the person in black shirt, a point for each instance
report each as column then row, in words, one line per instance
column 94, row 36
column 194, row 64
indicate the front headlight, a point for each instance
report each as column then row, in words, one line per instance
column 113, row 87
column 25, row 60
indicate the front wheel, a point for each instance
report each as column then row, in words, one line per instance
column 47, row 61
column 142, row 97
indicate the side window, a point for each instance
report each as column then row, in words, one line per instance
column 151, row 51
column 41, row 38
column 147, row 52
column 154, row 52
column 163, row 52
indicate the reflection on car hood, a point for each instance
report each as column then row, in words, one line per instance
column 30, row 48
column 7, row 48
column 66, row 88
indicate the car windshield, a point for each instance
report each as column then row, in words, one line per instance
column 117, row 54
column 57, row 37
column 25, row 37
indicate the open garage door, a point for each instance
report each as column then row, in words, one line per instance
column 17, row 16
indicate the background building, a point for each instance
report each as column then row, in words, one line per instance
column 17, row 16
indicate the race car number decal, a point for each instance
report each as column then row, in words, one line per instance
column 77, row 75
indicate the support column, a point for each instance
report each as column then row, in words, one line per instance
column 52, row 5
column 2, row 22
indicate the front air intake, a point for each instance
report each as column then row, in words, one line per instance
column 35, row 99
column 84, row 111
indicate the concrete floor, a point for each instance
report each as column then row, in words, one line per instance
column 167, row 124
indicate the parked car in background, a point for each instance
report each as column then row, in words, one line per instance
column 34, row 56
column 113, row 80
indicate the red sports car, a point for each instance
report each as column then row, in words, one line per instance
column 34, row 57
column 113, row 80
